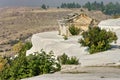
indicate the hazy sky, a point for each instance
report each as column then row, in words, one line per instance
column 7, row 3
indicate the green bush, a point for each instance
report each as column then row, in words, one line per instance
column 74, row 30
column 97, row 39
column 64, row 59
column 24, row 66
column 65, row 37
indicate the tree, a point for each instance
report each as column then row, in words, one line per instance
column 44, row 6
column 88, row 5
column 97, row 39
column 110, row 8
column 78, row 5
column 70, row 5
column 102, row 6
column 63, row 5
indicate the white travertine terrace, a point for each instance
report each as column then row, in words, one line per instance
column 52, row 41
column 110, row 24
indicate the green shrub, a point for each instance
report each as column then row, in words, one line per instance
column 65, row 37
column 97, row 39
column 24, row 66
column 45, row 63
column 74, row 30
column 73, row 60
column 64, row 59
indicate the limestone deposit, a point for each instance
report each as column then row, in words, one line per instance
column 51, row 41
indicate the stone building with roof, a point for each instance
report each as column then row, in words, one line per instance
column 81, row 21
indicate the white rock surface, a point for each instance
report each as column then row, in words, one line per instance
column 110, row 24
column 89, row 73
column 58, row 76
column 52, row 41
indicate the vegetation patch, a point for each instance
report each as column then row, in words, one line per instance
column 97, row 39
column 3, row 62
column 65, row 37
column 64, row 59
column 70, row 5
column 74, row 30
column 110, row 8
column 23, row 66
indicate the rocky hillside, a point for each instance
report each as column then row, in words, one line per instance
column 20, row 23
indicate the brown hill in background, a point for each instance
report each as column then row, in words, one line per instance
column 20, row 23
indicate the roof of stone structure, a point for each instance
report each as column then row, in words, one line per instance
column 82, row 19
column 75, row 17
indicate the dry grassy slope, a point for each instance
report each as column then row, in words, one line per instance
column 16, row 23
column 19, row 23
